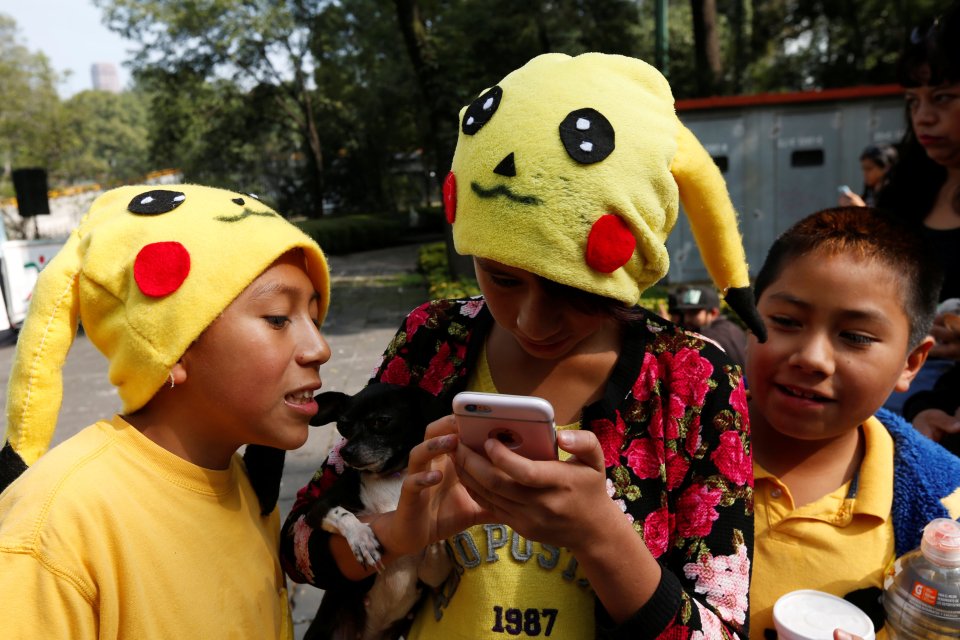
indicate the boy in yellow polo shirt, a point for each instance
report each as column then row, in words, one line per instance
column 841, row 486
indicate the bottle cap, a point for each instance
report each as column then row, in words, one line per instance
column 813, row 615
column 941, row 542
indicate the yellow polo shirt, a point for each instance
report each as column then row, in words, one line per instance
column 842, row 542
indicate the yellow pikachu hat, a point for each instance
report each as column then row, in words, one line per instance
column 146, row 271
column 571, row 168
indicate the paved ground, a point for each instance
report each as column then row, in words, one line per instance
column 372, row 292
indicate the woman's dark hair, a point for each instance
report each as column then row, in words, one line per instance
column 930, row 57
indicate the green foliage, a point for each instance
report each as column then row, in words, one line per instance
column 432, row 263
column 104, row 138
column 347, row 234
column 263, row 46
column 355, row 102
column 94, row 136
column 30, row 114
column 219, row 134
column 654, row 299
column 368, row 109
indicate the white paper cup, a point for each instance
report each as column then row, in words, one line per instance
column 813, row 615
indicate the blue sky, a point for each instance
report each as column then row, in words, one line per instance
column 71, row 35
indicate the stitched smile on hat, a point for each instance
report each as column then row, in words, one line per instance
column 502, row 190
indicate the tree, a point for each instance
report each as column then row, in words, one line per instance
column 706, row 45
column 810, row 44
column 29, row 106
column 104, row 137
column 259, row 44
column 370, row 106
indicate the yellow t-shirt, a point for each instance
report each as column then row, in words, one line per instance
column 111, row 536
column 842, row 542
column 505, row 586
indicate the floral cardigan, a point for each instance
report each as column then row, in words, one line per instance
column 676, row 440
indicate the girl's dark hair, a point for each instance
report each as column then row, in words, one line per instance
column 883, row 155
column 592, row 303
column 930, row 57
column 867, row 234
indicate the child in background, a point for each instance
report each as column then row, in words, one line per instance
column 564, row 187
column 207, row 305
column 875, row 162
column 847, row 296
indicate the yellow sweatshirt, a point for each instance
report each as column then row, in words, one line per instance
column 111, row 536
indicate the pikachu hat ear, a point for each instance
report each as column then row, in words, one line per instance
column 713, row 221
column 36, row 382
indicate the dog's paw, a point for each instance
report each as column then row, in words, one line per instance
column 366, row 548
column 363, row 542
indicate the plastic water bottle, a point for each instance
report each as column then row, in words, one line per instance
column 922, row 597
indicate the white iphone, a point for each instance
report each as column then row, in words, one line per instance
column 525, row 424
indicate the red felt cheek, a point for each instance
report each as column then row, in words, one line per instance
column 450, row 197
column 160, row 268
column 610, row 244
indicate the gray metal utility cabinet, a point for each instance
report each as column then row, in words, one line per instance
column 783, row 157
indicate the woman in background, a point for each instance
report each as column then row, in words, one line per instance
column 925, row 186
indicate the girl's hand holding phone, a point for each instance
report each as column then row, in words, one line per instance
column 559, row 503
column 433, row 504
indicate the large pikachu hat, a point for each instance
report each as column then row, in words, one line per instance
column 570, row 168
column 146, row 271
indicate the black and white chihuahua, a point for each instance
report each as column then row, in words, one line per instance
column 380, row 424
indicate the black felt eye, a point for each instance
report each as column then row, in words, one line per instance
column 156, row 202
column 239, row 201
column 587, row 136
column 481, row 110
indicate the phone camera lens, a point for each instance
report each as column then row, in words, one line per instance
column 471, row 407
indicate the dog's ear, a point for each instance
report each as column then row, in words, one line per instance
column 265, row 470
column 331, row 403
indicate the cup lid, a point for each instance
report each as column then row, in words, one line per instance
column 808, row 614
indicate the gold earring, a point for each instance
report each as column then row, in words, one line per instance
column 172, row 384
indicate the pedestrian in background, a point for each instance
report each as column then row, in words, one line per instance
column 924, row 187
column 875, row 162
column 699, row 309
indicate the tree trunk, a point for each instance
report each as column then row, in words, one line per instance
column 706, row 46
column 312, row 134
column 426, row 68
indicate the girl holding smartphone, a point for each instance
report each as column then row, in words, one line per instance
column 564, row 187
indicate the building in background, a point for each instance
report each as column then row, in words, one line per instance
column 105, row 77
